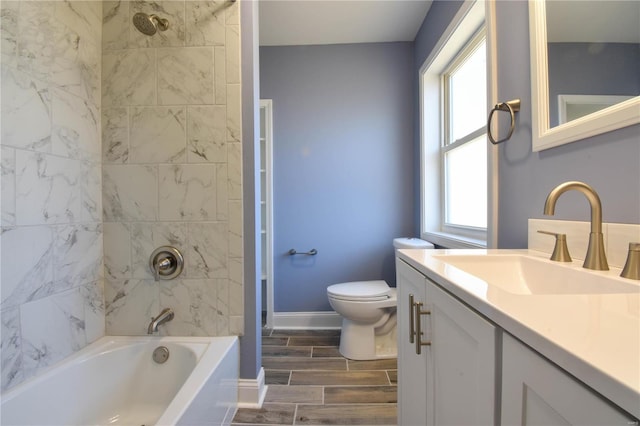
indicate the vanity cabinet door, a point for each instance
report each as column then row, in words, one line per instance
column 412, row 368
column 461, row 359
column 537, row 392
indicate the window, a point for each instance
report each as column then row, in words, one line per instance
column 463, row 151
column 454, row 147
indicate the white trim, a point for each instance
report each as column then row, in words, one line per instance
column 565, row 102
column 472, row 14
column 449, row 35
column 307, row 320
column 251, row 392
column 493, row 180
column 228, row 417
column 430, row 121
column 453, row 241
column 615, row 117
column 267, row 104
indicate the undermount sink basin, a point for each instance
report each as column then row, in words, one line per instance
column 527, row 275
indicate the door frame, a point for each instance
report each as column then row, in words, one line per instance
column 266, row 231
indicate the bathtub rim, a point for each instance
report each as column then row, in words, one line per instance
column 199, row 377
column 109, row 343
column 210, row 353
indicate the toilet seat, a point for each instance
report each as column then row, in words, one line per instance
column 360, row 291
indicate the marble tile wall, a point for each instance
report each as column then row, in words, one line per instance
column 52, row 301
column 171, row 157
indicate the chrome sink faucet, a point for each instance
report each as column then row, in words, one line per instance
column 165, row 316
column 595, row 258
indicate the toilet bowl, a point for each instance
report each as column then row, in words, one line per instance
column 368, row 311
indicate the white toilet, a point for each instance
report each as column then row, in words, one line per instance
column 368, row 310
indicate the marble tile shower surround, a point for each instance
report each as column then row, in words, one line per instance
column 114, row 143
column 52, row 301
column 171, row 154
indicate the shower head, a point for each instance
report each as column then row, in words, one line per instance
column 149, row 24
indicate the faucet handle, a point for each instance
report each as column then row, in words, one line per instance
column 631, row 268
column 560, row 250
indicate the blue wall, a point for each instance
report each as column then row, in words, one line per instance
column 592, row 69
column 343, row 119
column 609, row 162
column 343, row 164
column 440, row 14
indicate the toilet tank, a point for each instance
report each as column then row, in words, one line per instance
column 411, row 243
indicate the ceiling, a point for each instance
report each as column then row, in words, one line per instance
column 306, row 22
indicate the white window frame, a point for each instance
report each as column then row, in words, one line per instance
column 447, row 144
column 470, row 18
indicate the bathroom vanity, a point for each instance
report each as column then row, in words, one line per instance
column 476, row 346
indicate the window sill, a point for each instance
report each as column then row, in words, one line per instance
column 453, row 241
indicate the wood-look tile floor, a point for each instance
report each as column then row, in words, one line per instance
column 310, row 383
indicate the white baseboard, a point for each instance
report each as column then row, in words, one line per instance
column 307, row 320
column 251, row 392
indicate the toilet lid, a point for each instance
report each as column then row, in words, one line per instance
column 360, row 290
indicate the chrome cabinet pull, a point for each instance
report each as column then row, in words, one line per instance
column 412, row 331
column 418, row 313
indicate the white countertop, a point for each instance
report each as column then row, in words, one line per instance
column 595, row 337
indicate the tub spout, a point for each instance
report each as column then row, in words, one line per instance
column 165, row 315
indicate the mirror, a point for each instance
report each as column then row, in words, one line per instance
column 585, row 69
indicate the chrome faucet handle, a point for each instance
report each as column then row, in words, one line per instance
column 161, row 265
column 560, row 250
column 166, row 263
column 631, row 268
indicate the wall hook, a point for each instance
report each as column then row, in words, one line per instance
column 511, row 107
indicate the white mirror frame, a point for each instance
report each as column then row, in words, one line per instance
column 614, row 117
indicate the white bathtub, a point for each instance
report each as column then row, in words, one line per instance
column 115, row 381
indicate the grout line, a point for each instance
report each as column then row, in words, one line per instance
column 295, row 415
